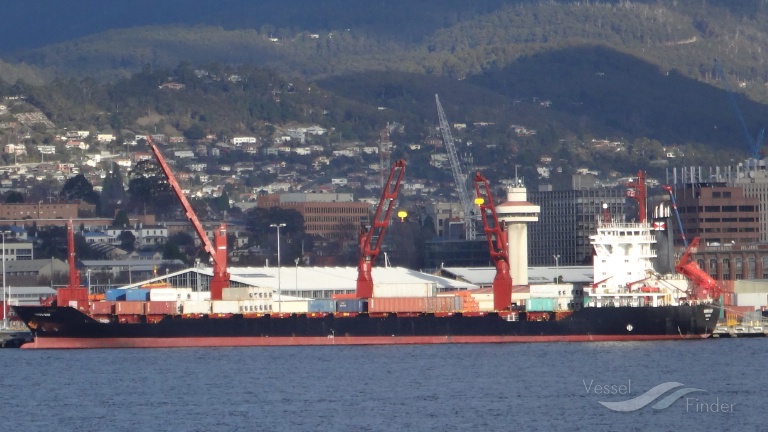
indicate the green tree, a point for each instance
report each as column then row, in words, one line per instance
column 79, row 188
column 14, row 197
column 121, row 219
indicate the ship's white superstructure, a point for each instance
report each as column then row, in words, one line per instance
column 624, row 273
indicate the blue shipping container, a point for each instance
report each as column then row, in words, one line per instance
column 137, row 295
column 352, row 305
column 115, row 295
column 328, row 306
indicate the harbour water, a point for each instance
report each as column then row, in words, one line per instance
column 531, row 387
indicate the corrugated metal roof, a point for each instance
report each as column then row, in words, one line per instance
column 536, row 275
column 323, row 278
column 13, row 266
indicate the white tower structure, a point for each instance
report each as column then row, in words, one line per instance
column 516, row 212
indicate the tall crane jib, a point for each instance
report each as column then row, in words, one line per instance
column 459, row 177
column 497, row 244
column 371, row 238
column 217, row 250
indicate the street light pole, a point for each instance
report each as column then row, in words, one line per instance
column 296, row 287
column 278, row 226
column 6, row 297
column 557, row 269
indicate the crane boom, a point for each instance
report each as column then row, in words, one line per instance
column 371, row 239
column 703, row 285
column 677, row 214
column 458, row 174
column 497, row 243
column 217, row 249
column 754, row 145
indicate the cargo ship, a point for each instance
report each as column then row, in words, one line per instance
column 66, row 327
column 627, row 302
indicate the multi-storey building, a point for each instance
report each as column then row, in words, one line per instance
column 718, row 214
column 567, row 219
column 330, row 216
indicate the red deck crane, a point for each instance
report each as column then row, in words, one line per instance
column 703, row 284
column 218, row 249
column 371, row 238
column 638, row 193
column 497, row 243
column 73, row 291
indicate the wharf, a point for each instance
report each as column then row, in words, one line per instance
column 14, row 338
column 740, row 331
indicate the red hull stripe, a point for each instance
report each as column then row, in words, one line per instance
column 72, row 343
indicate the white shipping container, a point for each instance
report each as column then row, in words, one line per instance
column 756, row 300
column 293, row 306
column 199, row 295
column 254, row 306
column 196, row 307
column 246, row 293
column 551, row 290
column 224, row 307
column 169, row 294
column 426, row 289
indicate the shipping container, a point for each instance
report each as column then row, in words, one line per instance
column 438, row 304
column 293, row 306
column 129, row 308
column 412, row 290
column 169, row 294
column 322, row 305
column 137, row 294
column 225, row 307
column 102, row 308
column 196, row 307
column 540, row 304
column 115, row 295
column 352, row 306
column 396, row 304
column 246, row 293
column 199, row 296
column 254, row 306
column 753, row 300
column 163, row 307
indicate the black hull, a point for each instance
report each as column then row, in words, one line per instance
column 64, row 327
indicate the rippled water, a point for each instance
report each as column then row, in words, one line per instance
column 511, row 387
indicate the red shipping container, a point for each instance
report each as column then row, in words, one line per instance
column 129, row 308
column 101, row 308
column 162, row 308
column 728, row 299
column 438, row 304
column 396, row 304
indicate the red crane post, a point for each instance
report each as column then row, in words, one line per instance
column 216, row 250
column 370, row 239
column 497, row 243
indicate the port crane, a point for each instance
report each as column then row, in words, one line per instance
column 217, row 250
column 371, row 238
column 459, row 178
column 497, row 244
